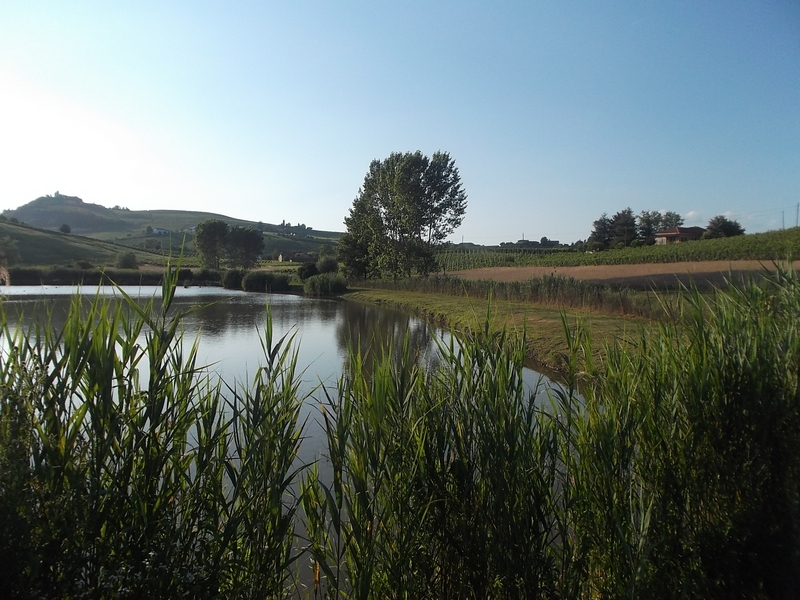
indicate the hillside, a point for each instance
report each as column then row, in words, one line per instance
column 31, row 246
column 156, row 230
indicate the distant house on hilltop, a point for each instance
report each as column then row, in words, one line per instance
column 679, row 234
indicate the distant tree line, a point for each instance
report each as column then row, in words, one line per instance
column 216, row 242
column 626, row 229
column 543, row 243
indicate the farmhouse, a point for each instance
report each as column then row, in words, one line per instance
column 679, row 234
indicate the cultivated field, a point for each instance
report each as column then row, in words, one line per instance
column 642, row 276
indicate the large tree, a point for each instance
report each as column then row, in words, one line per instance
column 721, row 226
column 623, row 228
column 648, row 223
column 243, row 246
column 209, row 240
column 601, row 232
column 671, row 219
column 407, row 205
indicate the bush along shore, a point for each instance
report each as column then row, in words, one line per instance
column 126, row 472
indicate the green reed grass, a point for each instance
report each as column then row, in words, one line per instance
column 127, row 471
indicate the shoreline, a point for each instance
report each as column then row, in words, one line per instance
column 543, row 326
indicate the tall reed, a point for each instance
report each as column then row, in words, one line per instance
column 441, row 482
column 127, row 471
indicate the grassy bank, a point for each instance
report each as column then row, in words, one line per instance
column 125, row 472
column 543, row 326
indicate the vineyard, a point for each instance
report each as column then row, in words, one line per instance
column 773, row 245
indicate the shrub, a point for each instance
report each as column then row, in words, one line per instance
column 307, row 270
column 209, row 276
column 265, row 281
column 232, row 280
column 327, row 264
column 127, row 260
column 325, row 285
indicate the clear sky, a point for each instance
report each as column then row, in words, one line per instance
column 554, row 112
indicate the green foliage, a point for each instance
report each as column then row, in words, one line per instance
column 720, row 226
column 407, row 206
column 675, row 474
column 326, row 284
column 209, row 241
column 207, row 276
column 9, row 254
column 265, row 281
column 80, row 276
column 65, row 228
column 160, row 487
column 243, row 246
column 232, row 280
column 327, row 264
column 773, row 245
column 127, row 260
column 683, row 462
column 623, row 228
column 25, row 245
column 306, row 270
column 126, row 471
column 563, row 292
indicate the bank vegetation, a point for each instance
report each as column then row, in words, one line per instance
column 127, row 471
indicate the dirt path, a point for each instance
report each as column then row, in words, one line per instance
column 643, row 275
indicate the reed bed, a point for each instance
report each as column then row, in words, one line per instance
column 127, row 472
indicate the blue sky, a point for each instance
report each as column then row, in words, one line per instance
column 554, row 112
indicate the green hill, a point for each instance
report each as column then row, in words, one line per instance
column 24, row 245
column 155, row 230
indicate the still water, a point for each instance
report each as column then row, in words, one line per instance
column 229, row 326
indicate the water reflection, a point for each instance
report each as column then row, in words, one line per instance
column 229, row 327
column 370, row 331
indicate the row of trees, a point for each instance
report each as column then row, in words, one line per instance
column 407, row 206
column 626, row 229
column 216, row 241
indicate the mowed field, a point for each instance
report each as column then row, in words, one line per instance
column 640, row 276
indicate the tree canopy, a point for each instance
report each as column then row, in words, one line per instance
column 407, row 205
column 214, row 240
column 624, row 227
column 243, row 246
column 209, row 240
column 721, row 226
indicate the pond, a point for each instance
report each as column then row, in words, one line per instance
column 229, row 330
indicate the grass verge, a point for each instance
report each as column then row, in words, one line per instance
column 543, row 325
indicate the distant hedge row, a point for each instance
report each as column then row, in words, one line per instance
column 93, row 276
